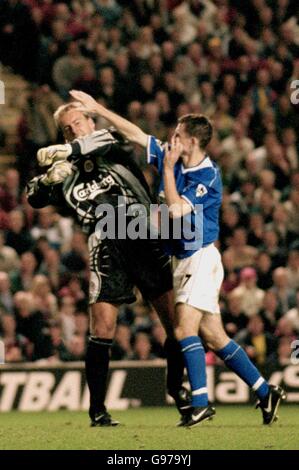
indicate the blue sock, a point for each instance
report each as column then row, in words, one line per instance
column 195, row 361
column 237, row 360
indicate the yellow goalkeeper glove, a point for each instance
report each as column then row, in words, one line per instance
column 58, row 172
column 54, row 153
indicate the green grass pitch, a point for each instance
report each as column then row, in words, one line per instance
column 234, row 427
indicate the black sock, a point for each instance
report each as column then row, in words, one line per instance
column 175, row 366
column 96, row 369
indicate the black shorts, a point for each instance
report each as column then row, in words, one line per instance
column 116, row 266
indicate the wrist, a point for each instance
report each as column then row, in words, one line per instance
column 100, row 110
column 69, row 149
column 168, row 168
column 44, row 180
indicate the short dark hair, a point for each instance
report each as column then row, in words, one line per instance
column 199, row 126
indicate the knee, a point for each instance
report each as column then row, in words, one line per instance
column 214, row 340
column 179, row 333
column 102, row 328
column 182, row 331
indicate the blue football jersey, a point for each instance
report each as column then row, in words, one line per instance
column 201, row 187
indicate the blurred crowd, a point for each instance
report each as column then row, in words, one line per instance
column 154, row 61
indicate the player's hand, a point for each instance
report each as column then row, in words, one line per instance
column 89, row 104
column 54, row 153
column 58, row 172
column 173, row 153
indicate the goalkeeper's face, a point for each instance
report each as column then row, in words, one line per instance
column 75, row 124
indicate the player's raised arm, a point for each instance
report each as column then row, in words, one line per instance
column 129, row 130
column 178, row 207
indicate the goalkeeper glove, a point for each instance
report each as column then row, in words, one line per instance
column 54, row 153
column 58, row 172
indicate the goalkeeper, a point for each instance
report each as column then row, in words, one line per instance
column 92, row 168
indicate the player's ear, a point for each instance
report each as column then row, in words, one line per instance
column 195, row 141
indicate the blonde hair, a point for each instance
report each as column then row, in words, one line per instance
column 65, row 108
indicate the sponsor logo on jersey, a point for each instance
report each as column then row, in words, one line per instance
column 201, row 190
column 85, row 191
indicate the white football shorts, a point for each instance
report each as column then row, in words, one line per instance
column 198, row 278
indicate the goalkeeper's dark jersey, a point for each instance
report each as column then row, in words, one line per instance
column 103, row 170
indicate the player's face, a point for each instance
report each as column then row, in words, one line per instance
column 184, row 139
column 74, row 124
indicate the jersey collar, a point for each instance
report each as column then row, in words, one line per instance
column 205, row 163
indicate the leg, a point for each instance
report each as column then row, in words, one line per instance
column 236, row 359
column 186, row 327
column 164, row 306
column 102, row 329
column 151, row 271
column 108, row 288
column 232, row 354
column 187, row 321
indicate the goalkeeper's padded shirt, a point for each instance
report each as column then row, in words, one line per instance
column 201, row 187
column 103, row 170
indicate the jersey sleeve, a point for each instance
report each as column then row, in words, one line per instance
column 155, row 152
column 40, row 195
column 200, row 189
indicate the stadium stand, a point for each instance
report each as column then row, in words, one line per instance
column 153, row 61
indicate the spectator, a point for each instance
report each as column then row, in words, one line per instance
column 52, row 268
column 284, row 351
column 6, row 298
column 259, row 345
column 293, row 315
column 122, row 347
column 284, row 294
column 43, row 299
column 17, row 347
column 293, row 269
column 237, row 144
column 76, row 348
column 76, row 260
column 234, row 319
column 67, row 316
column 22, row 278
column 270, row 311
column 142, row 348
column 9, row 259
column 10, row 190
column 68, row 68
column 256, row 230
column 241, row 253
column 292, row 208
column 32, row 325
column 264, row 269
column 36, row 127
column 251, row 296
column 59, row 350
column 17, row 236
column 51, row 226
